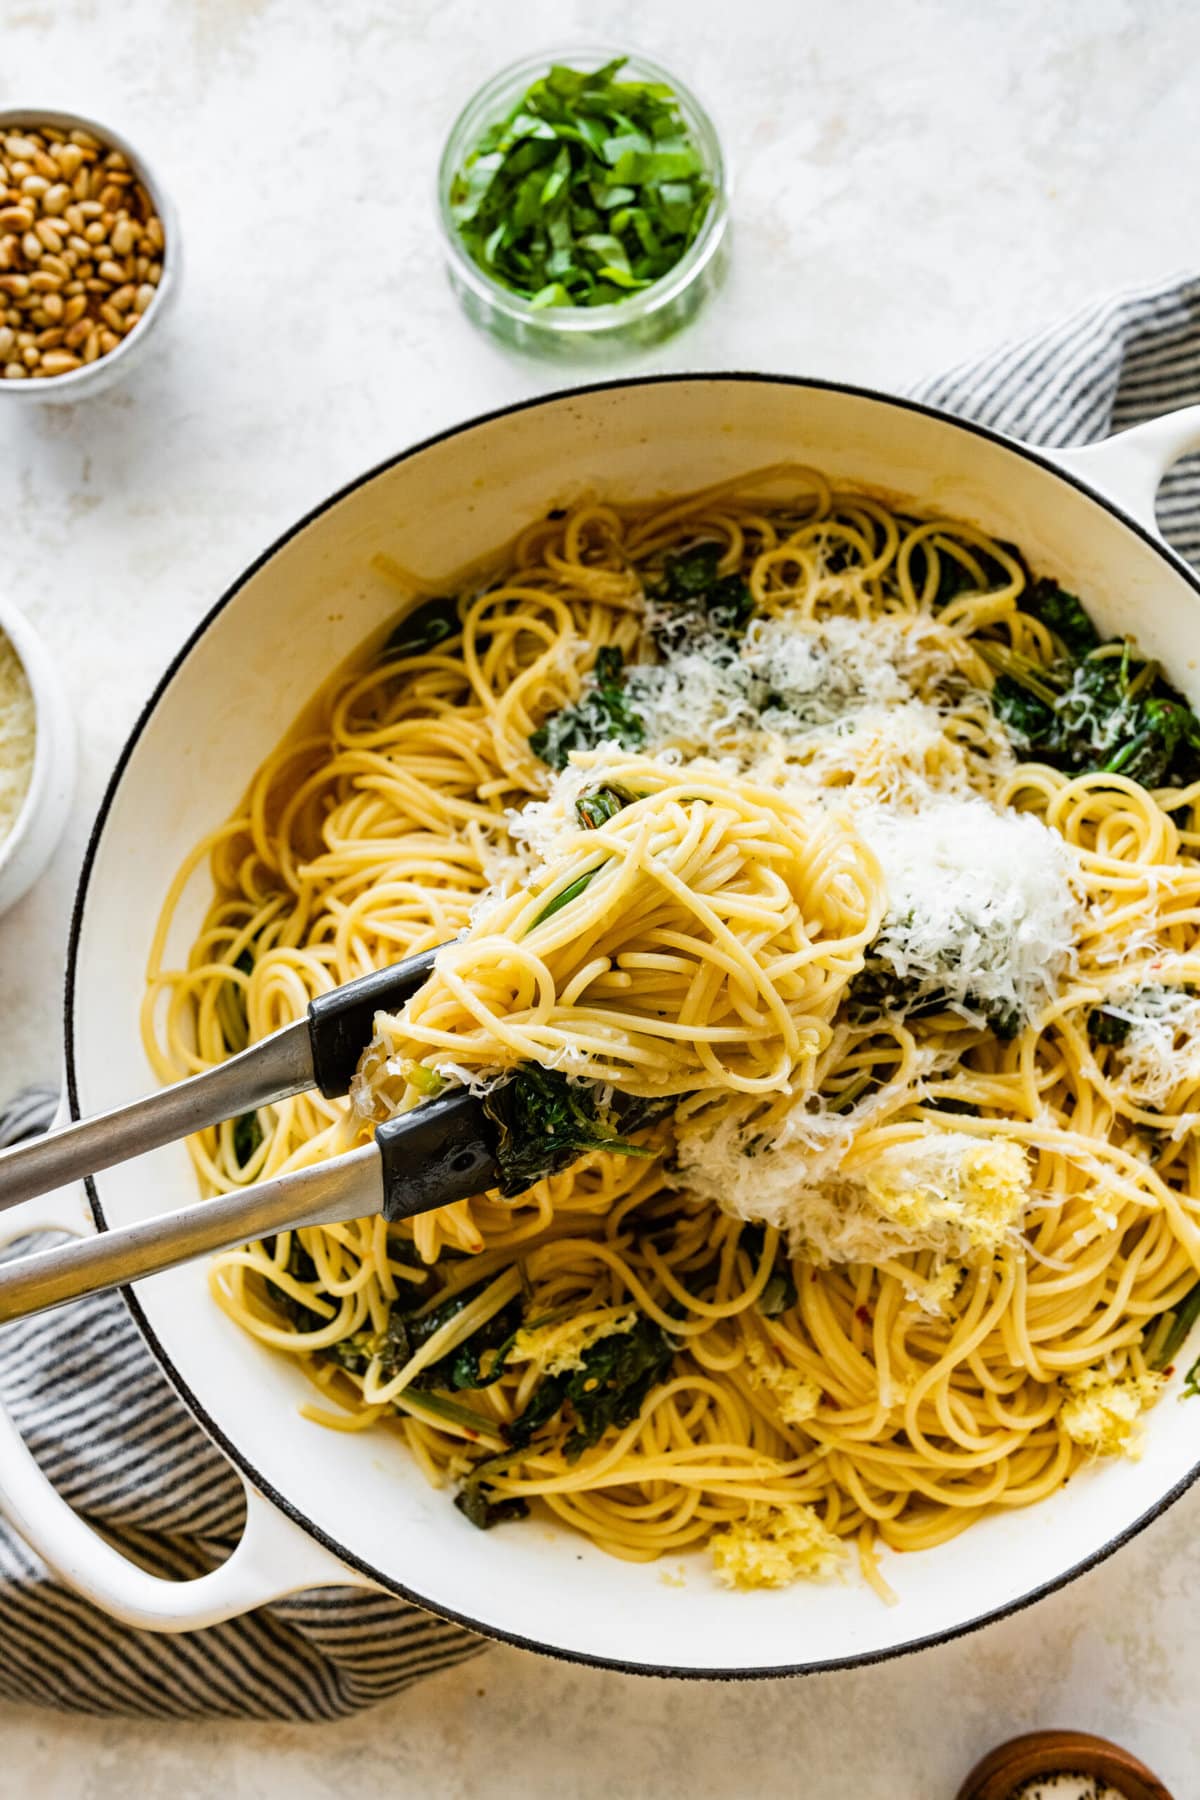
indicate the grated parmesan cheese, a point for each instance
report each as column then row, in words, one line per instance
column 17, row 735
column 982, row 909
column 790, row 675
column 945, row 1191
column 1162, row 1052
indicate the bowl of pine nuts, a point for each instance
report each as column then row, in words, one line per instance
column 89, row 255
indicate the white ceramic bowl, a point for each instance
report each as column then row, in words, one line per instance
column 326, row 1509
column 94, row 378
column 39, row 824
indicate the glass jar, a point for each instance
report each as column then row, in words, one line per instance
column 646, row 316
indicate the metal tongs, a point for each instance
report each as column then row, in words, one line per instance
column 441, row 1152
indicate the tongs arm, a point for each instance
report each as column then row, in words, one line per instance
column 321, row 1050
column 274, row 1069
column 439, row 1153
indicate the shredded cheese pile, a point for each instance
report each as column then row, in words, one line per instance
column 17, row 736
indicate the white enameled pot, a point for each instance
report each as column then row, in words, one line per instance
column 327, row 1510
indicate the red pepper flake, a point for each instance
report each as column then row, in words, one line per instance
column 863, row 1315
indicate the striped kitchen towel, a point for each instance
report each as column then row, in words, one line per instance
column 119, row 1445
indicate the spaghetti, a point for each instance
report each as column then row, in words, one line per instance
column 917, row 1235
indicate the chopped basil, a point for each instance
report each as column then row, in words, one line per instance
column 588, row 190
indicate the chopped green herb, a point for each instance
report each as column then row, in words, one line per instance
column 231, row 1005
column 544, row 1122
column 1181, row 1319
column 692, row 600
column 301, row 1267
column 1105, row 1027
column 427, row 626
column 565, row 896
column 475, row 1501
column 476, row 1362
column 1062, row 614
column 602, row 714
column 247, row 1137
column 608, row 1389
column 780, row 1291
column 879, row 989
column 590, row 189
column 1105, row 711
column 601, row 804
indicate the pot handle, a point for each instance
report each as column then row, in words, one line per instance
column 1129, row 466
column 274, row 1557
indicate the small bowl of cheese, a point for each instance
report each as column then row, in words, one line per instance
column 37, row 756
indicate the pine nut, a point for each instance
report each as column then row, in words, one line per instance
column 81, row 251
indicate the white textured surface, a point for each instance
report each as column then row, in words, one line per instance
column 912, row 183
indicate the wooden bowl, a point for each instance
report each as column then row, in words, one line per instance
column 1004, row 1771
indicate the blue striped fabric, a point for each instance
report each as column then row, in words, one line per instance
column 110, row 1432
column 108, row 1428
